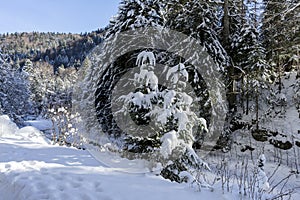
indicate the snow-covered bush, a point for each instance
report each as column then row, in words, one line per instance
column 64, row 131
column 263, row 184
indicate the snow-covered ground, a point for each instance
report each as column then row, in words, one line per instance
column 33, row 169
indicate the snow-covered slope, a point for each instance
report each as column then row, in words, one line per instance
column 32, row 169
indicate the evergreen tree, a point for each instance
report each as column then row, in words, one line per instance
column 263, row 184
column 199, row 20
column 14, row 92
column 233, row 17
column 281, row 33
column 233, row 14
column 135, row 14
column 172, row 113
column 132, row 14
column 248, row 54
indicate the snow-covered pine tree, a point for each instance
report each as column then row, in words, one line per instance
column 263, row 184
column 171, row 136
column 57, row 105
column 99, row 84
column 135, row 14
column 14, row 92
column 281, row 40
column 34, row 84
column 281, row 32
column 232, row 16
column 199, row 19
column 249, row 55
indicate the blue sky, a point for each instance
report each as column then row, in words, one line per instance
column 73, row 16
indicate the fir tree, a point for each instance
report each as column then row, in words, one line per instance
column 14, row 92
column 171, row 127
column 281, row 33
column 136, row 14
column 198, row 19
column 263, row 184
column 248, row 54
column 132, row 14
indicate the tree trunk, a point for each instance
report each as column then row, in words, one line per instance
column 279, row 75
column 226, row 25
column 243, row 94
column 247, row 96
column 257, row 108
column 226, row 43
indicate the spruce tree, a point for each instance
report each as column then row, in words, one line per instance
column 249, row 55
column 199, row 20
column 132, row 15
column 14, row 92
column 136, row 14
column 281, row 33
column 100, row 83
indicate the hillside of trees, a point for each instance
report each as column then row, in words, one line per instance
column 56, row 49
column 47, row 63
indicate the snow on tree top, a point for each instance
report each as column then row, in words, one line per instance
column 146, row 57
column 176, row 71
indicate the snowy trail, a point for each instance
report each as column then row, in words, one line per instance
column 35, row 170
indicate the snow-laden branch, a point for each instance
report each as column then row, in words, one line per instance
column 291, row 9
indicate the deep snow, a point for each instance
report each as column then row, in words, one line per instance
column 33, row 169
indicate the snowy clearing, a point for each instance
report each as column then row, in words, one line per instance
column 31, row 168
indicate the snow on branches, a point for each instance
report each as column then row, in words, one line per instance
column 169, row 107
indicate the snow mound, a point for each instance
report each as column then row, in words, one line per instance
column 7, row 127
column 42, row 125
column 31, row 133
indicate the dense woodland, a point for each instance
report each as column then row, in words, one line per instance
column 44, row 61
column 255, row 44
